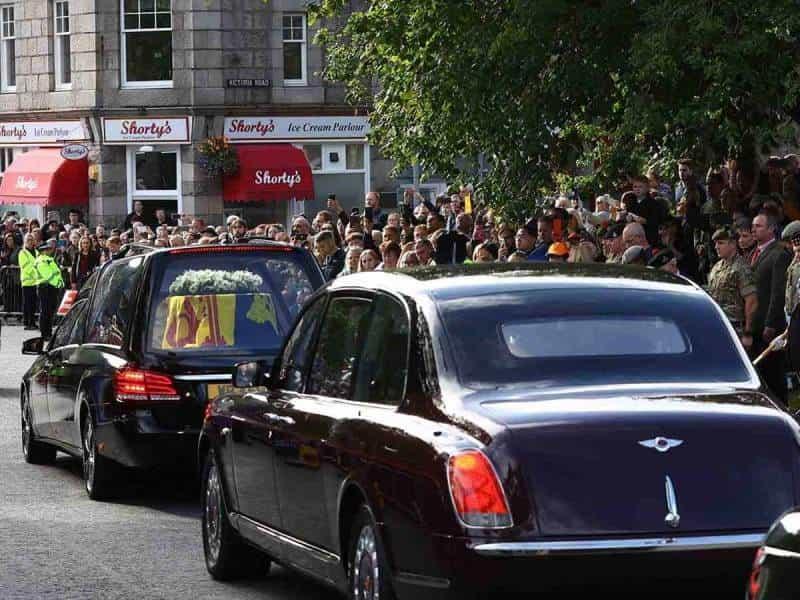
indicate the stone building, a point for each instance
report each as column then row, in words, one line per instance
column 142, row 83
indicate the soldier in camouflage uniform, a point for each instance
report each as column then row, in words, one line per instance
column 791, row 234
column 732, row 286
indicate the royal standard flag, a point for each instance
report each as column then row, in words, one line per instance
column 200, row 321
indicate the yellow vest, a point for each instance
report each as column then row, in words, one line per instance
column 27, row 268
column 48, row 271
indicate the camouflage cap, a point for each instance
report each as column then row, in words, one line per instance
column 790, row 231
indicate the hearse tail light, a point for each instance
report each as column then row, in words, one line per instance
column 138, row 385
column 476, row 491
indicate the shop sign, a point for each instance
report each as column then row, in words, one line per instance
column 41, row 132
column 74, row 152
column 136, row 130
column 289, row 128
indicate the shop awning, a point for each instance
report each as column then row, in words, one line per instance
column 43, row 177
column 269, row 172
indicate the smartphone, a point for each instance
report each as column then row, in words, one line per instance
column 368, row 212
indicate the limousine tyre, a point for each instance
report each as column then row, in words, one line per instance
column 98, row 471
column 35, row 452
column 369, row 571
column 227, row 555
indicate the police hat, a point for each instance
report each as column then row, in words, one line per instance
column 48, row 245
column 790, row 231
column 725, row 234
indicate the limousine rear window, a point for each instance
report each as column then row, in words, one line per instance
column 589, row 336
column 586, row 336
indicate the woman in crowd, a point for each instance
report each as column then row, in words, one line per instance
column 368, row 261
column 85, row 262
column 9, row 255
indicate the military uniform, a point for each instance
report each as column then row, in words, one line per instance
column 790, row 232
column 729, row 283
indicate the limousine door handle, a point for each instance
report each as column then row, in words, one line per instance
column 278, row 419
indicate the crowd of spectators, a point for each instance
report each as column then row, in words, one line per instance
column 649, row 221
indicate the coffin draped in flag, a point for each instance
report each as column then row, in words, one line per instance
column 219, row 320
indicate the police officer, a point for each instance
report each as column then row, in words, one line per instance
column 28, row 277
column 732, row 285
column 50, row 283
column 791, row 234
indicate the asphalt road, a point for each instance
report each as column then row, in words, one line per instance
column 57, row 544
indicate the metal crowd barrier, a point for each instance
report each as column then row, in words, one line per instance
column 11, row 291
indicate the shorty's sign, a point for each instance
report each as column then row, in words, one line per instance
column 295, row 128
column 286, row 179
column 137, row 130
column 41, row 132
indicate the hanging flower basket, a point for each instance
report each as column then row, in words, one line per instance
column 218, row 157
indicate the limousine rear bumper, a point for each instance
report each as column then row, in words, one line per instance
column 619, row 546
column 466, row 565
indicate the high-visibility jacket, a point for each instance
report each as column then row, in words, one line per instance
column 27, row 268
column 48, row 271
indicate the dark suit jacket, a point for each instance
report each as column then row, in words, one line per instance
column 770, row 275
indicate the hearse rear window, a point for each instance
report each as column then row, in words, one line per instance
column 234, row 302
column 589, row 336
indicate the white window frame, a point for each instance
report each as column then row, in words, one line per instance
column 123, row 67
column 149, row 195
column 57, row 50
column 303, row 81
column 7, row 36
column 342, row 148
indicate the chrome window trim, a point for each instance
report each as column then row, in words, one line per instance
column 780, row 553
column 207, row 377
column 653, row 544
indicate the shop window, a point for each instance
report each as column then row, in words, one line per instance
column 146, row 43
column 6, row 158
column 295, row 49
column 154, row 177
column 156, row 171
column 355, row 157
column 61, row 45
column 8, row 49
column 313, row 154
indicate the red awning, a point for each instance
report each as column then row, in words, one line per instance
column 45, row 178
column 269, row 172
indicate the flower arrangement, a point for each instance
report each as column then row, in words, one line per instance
column 210, row 281
column 218, row 157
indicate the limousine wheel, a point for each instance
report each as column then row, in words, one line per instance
column 35, row 452
column 227, row 555
column 368, row 569
column 97, row 469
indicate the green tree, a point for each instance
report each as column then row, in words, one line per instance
column 550, row 88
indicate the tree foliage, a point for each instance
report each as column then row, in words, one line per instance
column 555, row 88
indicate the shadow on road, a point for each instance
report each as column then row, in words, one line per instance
column 174, row 493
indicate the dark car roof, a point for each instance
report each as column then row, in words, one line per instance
column 478, row 279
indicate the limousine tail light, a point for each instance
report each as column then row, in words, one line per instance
column 476, row 491
column 138, row 385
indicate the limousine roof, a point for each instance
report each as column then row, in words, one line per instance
column 447, row 282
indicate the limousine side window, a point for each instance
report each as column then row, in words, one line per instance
column 297, row 353
column 384, row 364
column 341, row 339
column 112, row 309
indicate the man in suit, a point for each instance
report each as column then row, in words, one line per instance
column 769, row 263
